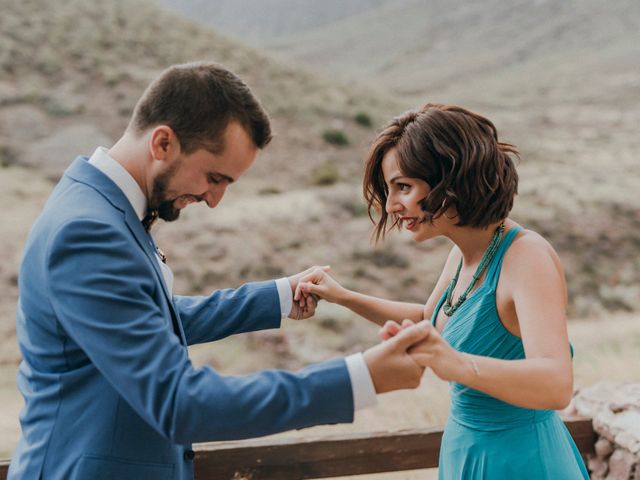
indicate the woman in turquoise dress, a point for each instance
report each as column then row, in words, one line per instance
column 496, row 317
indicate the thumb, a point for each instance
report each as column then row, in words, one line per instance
column 412, row 335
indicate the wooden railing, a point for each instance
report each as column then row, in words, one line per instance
column 333, row 456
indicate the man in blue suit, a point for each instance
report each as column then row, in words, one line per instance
column 110, row 392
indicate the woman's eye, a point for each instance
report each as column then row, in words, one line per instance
column 213, row 180
column 403, row 187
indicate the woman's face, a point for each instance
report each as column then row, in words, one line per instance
column 404, row 197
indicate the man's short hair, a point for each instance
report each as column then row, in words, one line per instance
column 198, row 101
column 457, row 153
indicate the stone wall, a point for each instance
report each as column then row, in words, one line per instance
column 615, row 410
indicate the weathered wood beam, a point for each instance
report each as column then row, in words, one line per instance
column 332, row 456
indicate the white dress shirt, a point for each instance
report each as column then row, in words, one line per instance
column 364, row 394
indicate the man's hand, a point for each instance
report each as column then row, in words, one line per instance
column 391, row 366
column 304, row 304
column 436, row 353
column 391, row 329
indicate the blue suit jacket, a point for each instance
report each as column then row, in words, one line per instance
column 109, row 390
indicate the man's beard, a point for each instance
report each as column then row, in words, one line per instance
column 158, row 200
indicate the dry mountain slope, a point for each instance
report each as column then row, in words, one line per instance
column 70, row 74
column 71, row 62
column 416, row 48
column 255, row 22
column 560, row 80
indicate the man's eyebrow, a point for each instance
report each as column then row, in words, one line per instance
column 222, row 176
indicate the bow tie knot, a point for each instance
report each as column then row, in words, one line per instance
column 149, row 219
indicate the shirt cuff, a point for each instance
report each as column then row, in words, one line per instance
column 286, row 297
column 364, row 393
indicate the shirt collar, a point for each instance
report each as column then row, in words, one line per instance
column 123, row 179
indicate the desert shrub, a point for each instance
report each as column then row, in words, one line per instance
column 382, row 258
column 335, row 137
column 269, row 191
column 363, row 118
column 325, row 174
column 8, row 156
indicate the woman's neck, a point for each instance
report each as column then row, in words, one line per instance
column 473, row 242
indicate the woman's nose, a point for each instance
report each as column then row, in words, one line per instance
column 392, row 205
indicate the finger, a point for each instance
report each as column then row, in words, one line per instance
column 311, row 310
column 311, row 289
column 300, row 291
column 315, row 269
column 312, row 276
column 412, row 335
column 385, row 331
column 420, row 358
column 407, row 323
column 390, row 329
column 297, row 293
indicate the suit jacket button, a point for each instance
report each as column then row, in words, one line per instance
column 189, row 455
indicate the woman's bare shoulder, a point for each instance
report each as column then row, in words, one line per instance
column 530, row 249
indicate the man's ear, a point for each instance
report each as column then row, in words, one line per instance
column 163, row 143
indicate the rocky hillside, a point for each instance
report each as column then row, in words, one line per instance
column 72, row 70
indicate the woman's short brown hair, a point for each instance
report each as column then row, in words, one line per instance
column 457, row 153
column 198, row 100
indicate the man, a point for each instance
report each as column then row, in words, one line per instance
column 109, row 390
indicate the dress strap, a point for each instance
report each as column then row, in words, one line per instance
column 493, row 274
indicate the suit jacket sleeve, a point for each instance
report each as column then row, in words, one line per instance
column 102, row 290
column 254, row 306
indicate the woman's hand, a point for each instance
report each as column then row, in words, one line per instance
column 319, row 283
column 304, row 306
column 434, row 352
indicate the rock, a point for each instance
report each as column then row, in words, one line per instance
column 621, row 465
column 598, row 467
column 615, row 409
column 603, row 448
column 626, row 427
column 598, row 398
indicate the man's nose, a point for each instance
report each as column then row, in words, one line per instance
column 213, row 197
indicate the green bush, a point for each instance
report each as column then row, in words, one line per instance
column 325, row 174
column 364, row 119
column 269, row 191
column 335, row 137
column 381, row 258
column 8, row 156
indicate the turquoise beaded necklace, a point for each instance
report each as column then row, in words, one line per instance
column 487, row 256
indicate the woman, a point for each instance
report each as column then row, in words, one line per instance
column 498, row 308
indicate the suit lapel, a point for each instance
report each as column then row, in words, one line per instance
column 146, row 242
column 81, row 171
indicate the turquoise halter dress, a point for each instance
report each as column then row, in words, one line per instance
column 486, row 438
